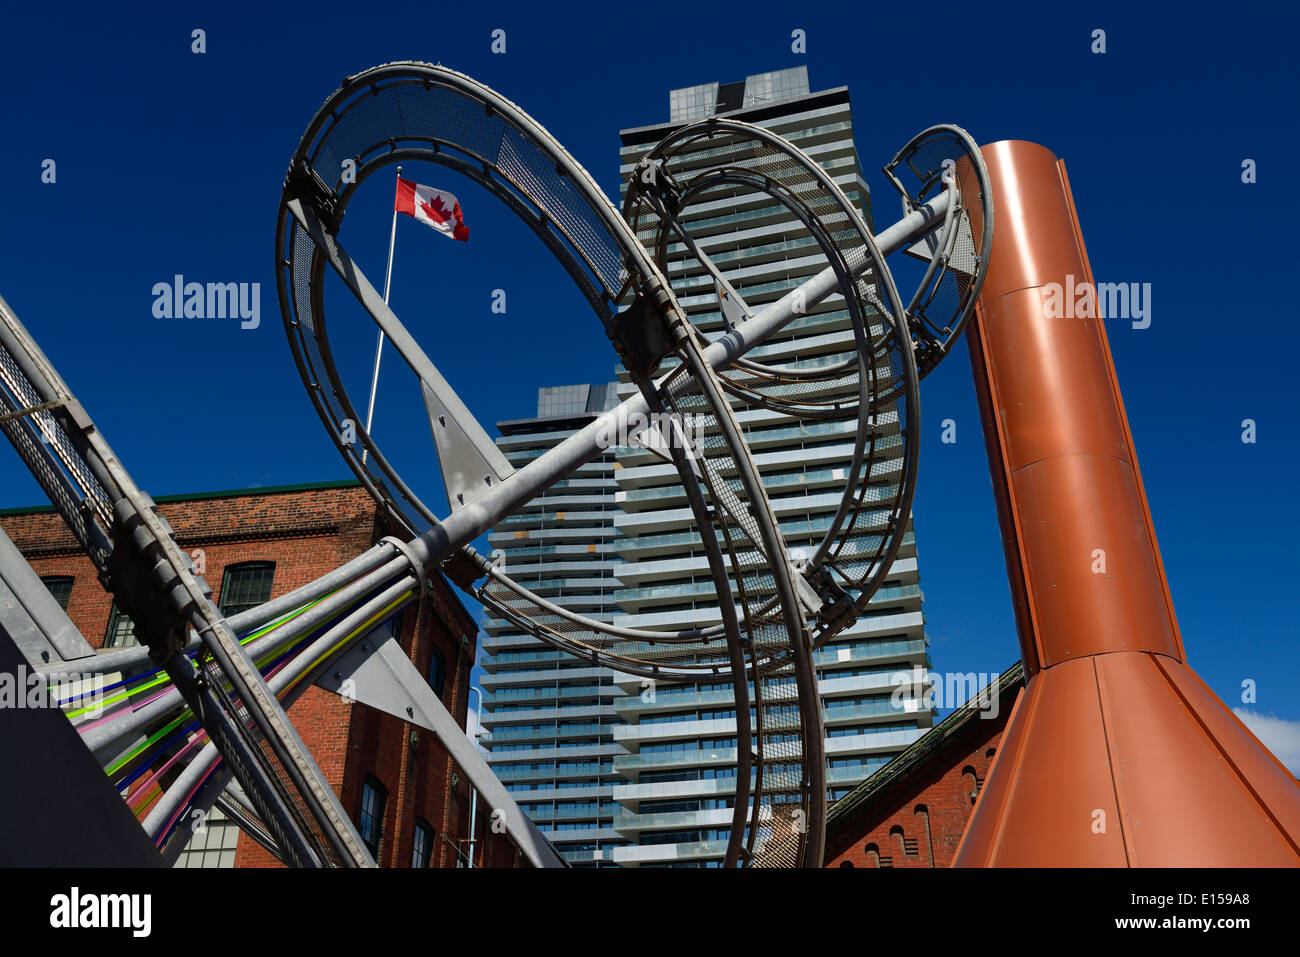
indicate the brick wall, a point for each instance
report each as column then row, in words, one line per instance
column 919, row 821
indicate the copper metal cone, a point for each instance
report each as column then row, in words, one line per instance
column 1116, row 753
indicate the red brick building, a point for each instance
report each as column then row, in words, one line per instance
column 256, row 544
column 913, row 811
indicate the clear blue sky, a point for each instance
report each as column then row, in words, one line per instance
column 170, row 162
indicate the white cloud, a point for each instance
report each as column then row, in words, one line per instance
column 1279, row 735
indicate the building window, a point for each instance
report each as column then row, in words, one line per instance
column 371, row 822
column 214, row 845
column 121, row 630
column 246, row 586
column 437, row 672
column 422, row 852
column 60, row 587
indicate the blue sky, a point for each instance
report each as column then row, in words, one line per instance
column 170, row 162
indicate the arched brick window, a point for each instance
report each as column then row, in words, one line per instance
column 974, row 782
column 904, row 845
column 922, row 815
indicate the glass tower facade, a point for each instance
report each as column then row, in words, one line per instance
column 661, row 783
column 548, row 714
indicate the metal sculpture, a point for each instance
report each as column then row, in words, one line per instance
column 773, row 614
column 774, row 610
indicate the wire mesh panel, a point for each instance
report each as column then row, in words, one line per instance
column 29, row 420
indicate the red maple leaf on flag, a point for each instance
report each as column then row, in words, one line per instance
column 433, row 207
column 437, row 212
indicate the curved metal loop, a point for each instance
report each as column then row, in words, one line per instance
column 945, row 157
column 417, row 111
column 868, row 394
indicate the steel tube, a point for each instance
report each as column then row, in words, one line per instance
column 1058, row 439
column 121, row 659
column 101, row 738
column 206, row 758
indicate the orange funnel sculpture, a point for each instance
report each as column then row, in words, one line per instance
column 1116, row 753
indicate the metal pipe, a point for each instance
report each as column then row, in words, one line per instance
column 379, row 345
column 105, row 736
column 123, row 659
column 312, row 660
column 304, row 664
column 367, row 561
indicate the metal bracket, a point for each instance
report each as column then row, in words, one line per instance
column 385, row 679
column 43, row 407
column 660, row 183
column 835, row 612
column 133, row 568
column 640, row 336
column 469, row 467
column 465, row 566
column 305, row 184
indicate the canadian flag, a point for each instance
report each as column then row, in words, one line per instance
column 434, row 207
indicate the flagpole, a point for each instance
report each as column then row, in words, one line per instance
column 379, row 346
